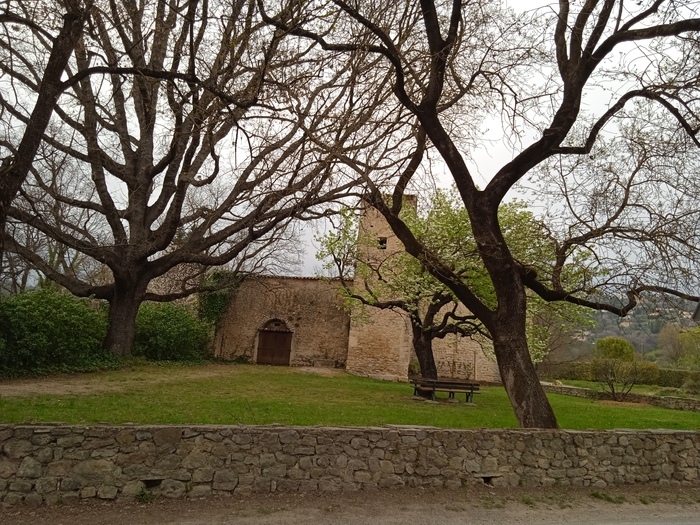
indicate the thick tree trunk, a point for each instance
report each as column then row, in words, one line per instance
column 423, row 346
column 507, row 325
column 519, row 376
column 123, row 308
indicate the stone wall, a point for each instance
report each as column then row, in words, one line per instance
column 380, row 346
column 311, row 308
column 57, row 463
column 463, row 357
column 675, row 403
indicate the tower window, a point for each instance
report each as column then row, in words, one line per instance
column 382, row 243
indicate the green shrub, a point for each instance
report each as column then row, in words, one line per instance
column 212, row 305
column 48, row 331
column 615, row 376
column 165, row 332
column 413, row 368
column 692, row 386
column 672, row 378
column 647, row 373
column 614, row 348
column 578, row 371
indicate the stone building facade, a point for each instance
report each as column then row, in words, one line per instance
column 300, row 321
column 321, row 333
column 307, row 308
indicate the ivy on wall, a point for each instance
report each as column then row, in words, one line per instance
column 213, row 303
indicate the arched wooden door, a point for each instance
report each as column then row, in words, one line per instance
column 274, row 344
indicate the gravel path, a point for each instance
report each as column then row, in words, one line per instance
column 630, row 505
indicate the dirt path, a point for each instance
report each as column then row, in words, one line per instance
column 476, row 506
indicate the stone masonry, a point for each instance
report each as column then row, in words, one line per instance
column 323, row 332
column 674, row 403
column 58, row 463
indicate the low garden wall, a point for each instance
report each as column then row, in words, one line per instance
column 60, row 463
column 675, row 403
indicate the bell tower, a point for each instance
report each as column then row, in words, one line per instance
column 380, row 345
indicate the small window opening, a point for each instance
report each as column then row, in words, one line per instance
column 382, row 243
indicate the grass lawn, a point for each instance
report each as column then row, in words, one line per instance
column 249, row 394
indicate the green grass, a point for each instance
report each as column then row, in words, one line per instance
column 248, row 394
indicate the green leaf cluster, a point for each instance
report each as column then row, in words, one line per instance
column 49, row 331
column 167, row 332
column 445, row 230
column 212, row 305
column 614, row 348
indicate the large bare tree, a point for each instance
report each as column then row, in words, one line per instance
column 558, row 79
column 188, row 134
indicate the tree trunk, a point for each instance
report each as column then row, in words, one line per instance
column 520, row 380
column 423, row 346
column 123, row 308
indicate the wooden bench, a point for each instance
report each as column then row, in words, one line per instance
column 451, row 386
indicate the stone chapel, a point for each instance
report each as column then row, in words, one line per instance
column 300, row 321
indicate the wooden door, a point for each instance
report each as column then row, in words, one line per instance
column 274, row 348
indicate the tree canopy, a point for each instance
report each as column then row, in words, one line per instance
column 186, row 135
column 614, row 348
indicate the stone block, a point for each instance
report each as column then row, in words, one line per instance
column 94, row 471
column 172, row 488
column 203, row 475
column 196, row 459
column 88, row 492
column 199, row 491
column 21, row 485
column 7, row 468
column 41, row 440
column 46, row 485
column 125, row 437
column 33, row 500
column 133, row 488
column 225, row 480
column 70, row 484
column 17, row 449
column 70, row 498
column 107, row 492
column 169, row 462
column 12, row 498
column 214, row 436
column 70, row 441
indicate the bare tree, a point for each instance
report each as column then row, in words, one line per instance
column 535, row 72
column 670, row 343
column 188, row 134
column 22, row 22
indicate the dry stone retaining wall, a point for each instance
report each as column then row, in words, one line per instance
column 58, row 463
column 674, row 403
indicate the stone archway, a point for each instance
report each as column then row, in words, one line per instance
column 274, row 344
